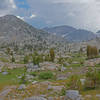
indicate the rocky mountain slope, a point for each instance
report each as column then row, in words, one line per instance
column 15, row 31
column 71, row 34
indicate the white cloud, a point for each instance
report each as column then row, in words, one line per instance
column 12, row 4
column 71, row 14
column 78, row 13
column 22, row 18
column 48, row 22
column 73, row 1
column 7, row 7
column 32, row 16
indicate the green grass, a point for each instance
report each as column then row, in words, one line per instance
column 76, row 65
column 11, row 78
column 98, row 65
column 4, row 59
column 80, row 58
column 46, row 75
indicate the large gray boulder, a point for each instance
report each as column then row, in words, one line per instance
column 35, row 98
column 72, row 95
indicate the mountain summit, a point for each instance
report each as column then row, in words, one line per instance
column 15, row 29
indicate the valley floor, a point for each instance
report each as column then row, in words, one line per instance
column 50, row 80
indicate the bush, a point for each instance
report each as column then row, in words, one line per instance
column 26, row 59
column 23, row 80
column 63, row 92
column 45, row 75
column 13, row 59
column 74, row 82
column 52, row 54
column 37, row 59
column 60, row 60
column 92, row 79
column 92, row 52
column 33, row 74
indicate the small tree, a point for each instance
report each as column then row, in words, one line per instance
column 13, row 59
column 26, row 59
column 47, row 58
column 92, row 51
column 52, row 54
column 8, row 50
column 81, row 50
column 89, row 51
column 37, row 59
column 23, row 78
column 95, row 51
column 11, row 53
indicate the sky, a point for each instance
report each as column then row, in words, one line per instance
column 84, row 14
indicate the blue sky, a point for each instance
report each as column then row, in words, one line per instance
column 22, row 4
column 83, row 14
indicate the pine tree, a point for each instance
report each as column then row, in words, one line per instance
column 95, row 51
column 13, row 59
column 8, row 50
column 92, row 51
column 89, row 51
column 52, row 54
column 26, row 59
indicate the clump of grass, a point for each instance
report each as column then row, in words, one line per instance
column 63, row 92
column 33, row 73
column 46, row 75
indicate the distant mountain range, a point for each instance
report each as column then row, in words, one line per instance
column 14, row 31
column 71, row 34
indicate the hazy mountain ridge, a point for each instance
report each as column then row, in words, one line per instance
column 60, row 30
column 72, row 34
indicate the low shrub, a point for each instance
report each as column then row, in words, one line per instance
column 33, row 73
column 63, row 92
column 92, row 79
column 46, row 75
column 74, row 82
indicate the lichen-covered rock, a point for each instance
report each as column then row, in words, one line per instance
column 72, row 95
